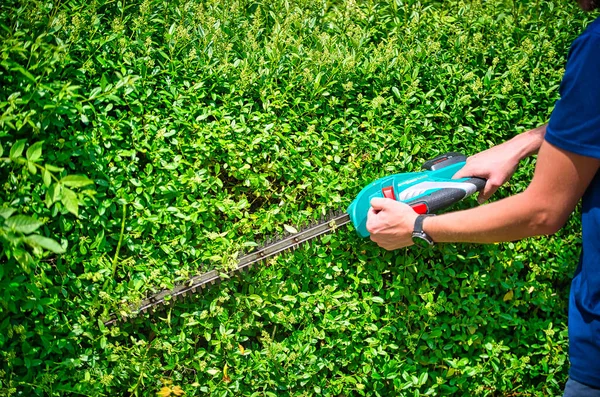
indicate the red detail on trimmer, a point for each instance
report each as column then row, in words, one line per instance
column 388, row 192
column 420, row 208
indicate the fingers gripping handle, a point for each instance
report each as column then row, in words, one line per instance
column 479, row 182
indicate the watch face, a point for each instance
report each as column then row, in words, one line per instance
column 421, row 241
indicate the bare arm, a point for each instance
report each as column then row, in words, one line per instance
column 559, row 181
column 499, row 163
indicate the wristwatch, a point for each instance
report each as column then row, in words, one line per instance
column 419, row 237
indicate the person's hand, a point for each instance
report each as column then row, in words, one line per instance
column 391, row 223
column 496, row 164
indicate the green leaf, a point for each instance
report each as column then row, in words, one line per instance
column 53, row 194
column 24, row 259
column 34, row 152
column 6, row 212
column 31, row 167
column 53, row 168
column 17, row 149
column 290, row 229
column 45, row 242
column 23, row 224
column 47, row 177
column 377, row 299
column 69, row 200
column 1, row 150
column 76, row 181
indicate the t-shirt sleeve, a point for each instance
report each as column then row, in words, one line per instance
column 575, row 121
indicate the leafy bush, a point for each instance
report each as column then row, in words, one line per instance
column 208, row 126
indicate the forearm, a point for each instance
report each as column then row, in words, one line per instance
column 528, row 143
column 559, row 181
column 510, row 219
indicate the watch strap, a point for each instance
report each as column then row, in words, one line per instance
column 418, row 231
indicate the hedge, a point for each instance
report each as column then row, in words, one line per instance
column 145, row 142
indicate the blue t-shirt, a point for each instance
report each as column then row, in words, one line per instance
column 575, row 126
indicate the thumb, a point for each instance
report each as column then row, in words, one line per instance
column 379, row 204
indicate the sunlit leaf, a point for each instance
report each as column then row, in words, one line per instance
column 45, row 242
column 69, row 200
column 290, row 229
column 76, row 181
column 34, row 152
column 17, row 149
column 23, row 224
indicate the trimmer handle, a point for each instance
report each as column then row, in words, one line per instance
column 446, row 196
column 426, row 192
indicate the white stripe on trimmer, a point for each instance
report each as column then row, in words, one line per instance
column 423, row 187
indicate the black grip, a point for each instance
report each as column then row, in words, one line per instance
column 479, row 182
column 444, row 198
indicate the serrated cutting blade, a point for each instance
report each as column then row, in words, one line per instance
column 198, row 283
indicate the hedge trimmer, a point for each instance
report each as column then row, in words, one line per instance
column 427, row 191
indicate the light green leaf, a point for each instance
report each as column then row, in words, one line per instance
column 24, row 259
column 53, row 194
column 34, row 152
column 45, row 242
column 69, row 200
column 23, row 224
column 47, row 177
column 76, row 181
column 1, row 150
column 17, row 149
column 290, row 229
column 6, row 212
column 377, row 299
column 53, row 168
column 31, row 167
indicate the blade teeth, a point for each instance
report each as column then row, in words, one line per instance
column 155, row 305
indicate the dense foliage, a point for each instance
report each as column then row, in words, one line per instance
column 148, row 141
